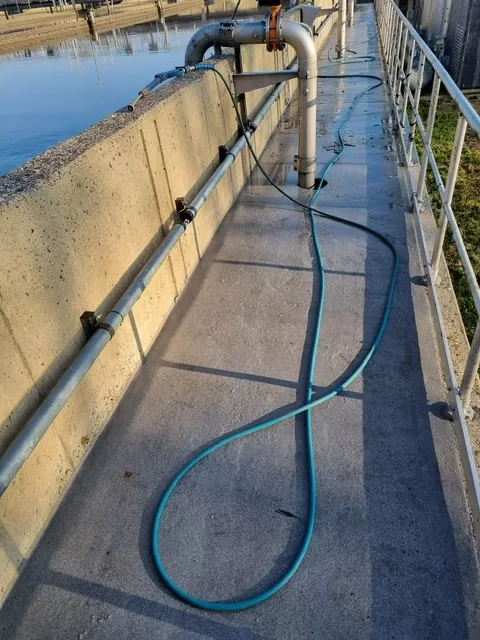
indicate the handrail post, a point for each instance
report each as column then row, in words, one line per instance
column 395, row 55
column 432, row 112
column 407, row 81
column 350, row 11
column 396, row 27
column 381, row 13
column 389, row 26
column 449, row 189
column 398, row 79
column 416, row 102
column 471, row 368
column 390, row 30
column 393, row 50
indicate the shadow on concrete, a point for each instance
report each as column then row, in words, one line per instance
column 385, row 560
column 416, row 584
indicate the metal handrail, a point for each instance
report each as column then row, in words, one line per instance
column 400, row 43
column 471, row 116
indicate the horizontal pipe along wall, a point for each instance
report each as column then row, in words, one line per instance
column 76, row 225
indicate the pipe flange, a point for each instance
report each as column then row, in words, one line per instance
column 274, row 39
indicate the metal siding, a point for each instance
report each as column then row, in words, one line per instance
column 461, row 44
column 470, row 73
column 457, row 50
column 430, row 16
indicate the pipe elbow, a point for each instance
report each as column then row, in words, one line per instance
column 200, row 42
column 300, row 38
column 227, row 34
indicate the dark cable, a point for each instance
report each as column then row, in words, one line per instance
column 236, row 9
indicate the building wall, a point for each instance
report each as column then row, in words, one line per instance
column 462, row 44
column 76, row 224
column 467, row 75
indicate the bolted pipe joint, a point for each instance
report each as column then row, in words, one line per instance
column 232, row 33
column 228, row 33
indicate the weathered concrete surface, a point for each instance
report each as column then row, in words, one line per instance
column 76, row 224
column 392, row 554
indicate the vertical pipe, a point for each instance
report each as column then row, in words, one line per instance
column 471, row 368
column 449, row 189
column 307, row 124
column 341, row 27
column 350, row 12
column 302, row 42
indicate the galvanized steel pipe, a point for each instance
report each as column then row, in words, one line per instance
column 299, row 37
column 224, row 34
column 301, row 40
column 24, row 443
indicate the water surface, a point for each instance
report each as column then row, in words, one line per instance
column 53, row 92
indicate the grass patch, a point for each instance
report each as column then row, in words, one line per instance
column 466, row 198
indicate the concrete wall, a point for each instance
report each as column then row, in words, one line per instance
column 76, row 224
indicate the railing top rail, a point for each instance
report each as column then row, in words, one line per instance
column 469, row 113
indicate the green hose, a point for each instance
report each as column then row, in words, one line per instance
column 309, row 401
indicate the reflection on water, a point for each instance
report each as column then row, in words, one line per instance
column 53, row 92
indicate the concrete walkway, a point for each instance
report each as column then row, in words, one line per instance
column 392, row 554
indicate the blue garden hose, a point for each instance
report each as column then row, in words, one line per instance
column 310, row 401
